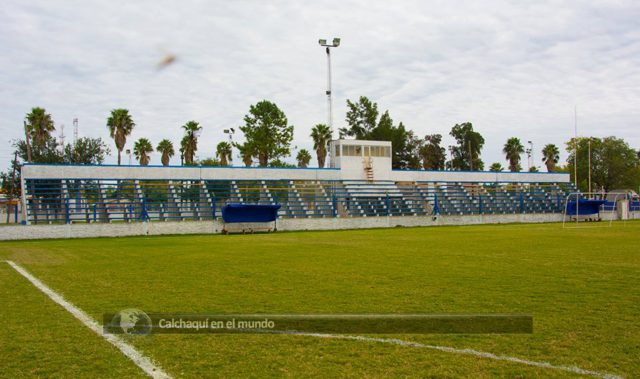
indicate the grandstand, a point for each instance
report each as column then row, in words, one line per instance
column 359, row 183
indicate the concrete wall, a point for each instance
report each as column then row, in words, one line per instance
column 22, row 232
column 478, row 176
column 34, row 171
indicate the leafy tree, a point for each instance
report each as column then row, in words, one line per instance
column 47, row 153
column 281, row 164
column 405, row 145
column 433, row 155
column 361, row 117
column 189, row 143
column 496, row 167
column 86, row 150
column 39, row 126
column 550, row 156
column 533, row 169
column 165, row 147
column 141, row 149
column 512, row 150
column 210, row 162
column 224, row 152
column 120, row 126
column 11, row 180
column 466, row 154
column 614, row 165
column 247, row 152
column 266, row 129
column 321, row 135
column 10, row 185
column 303, row 158
column 364, row 125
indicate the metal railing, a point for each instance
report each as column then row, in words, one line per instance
column 105, row 200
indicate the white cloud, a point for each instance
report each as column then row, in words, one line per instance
column 511, row 68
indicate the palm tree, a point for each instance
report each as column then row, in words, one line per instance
column 303, row 158
column 512, row 149
column 496, row 167
column 247, row 152
column 224, row 152
column 550, row 156
column 39, row 125
column 165, row 147
column 190, row 141
column 321, row 135
column 120, row 126
column 141, row 150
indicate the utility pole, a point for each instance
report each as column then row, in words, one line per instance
column 26, row 135
column 62, row 137
column 13, row 187
column 470, row 156
column 529, row 152
column 75, row 131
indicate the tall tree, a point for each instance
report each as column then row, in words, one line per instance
column 303, row 158
column 141, row 149
column 39, row 126
column 86, row 151
column 433, row 155
column 361, row 117
column 363, row 122
column 120, row 125
column 48, row 153
column 165, row 147
column 614, row 165
column 550, row 156
column 321, row 135
column 209, row 162
column 496, row 167
column 466, row 154
column 11, row 179
column 512, row 150
column 224, row 152
column 266, row 128
column 247, row 152
column 189, row 144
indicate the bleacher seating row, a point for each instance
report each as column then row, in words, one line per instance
column 68, row 201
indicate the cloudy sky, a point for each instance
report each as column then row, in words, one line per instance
column 512, row 68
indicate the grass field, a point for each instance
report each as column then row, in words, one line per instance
column 582, row 286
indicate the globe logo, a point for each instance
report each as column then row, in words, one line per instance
column 132, row 321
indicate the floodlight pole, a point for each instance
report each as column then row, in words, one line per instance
column 575, row 146
column 336, row 43
column 329, row 100
column 589, row 164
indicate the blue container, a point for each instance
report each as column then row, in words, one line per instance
column 584, row 207
column 250, row 212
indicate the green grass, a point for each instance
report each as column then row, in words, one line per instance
column 581, row 286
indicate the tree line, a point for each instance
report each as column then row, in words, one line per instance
column 268, row 136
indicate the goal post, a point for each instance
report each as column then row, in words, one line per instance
column 591, row 208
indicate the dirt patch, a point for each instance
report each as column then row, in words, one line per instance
column 37, row 256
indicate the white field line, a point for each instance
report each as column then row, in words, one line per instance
column 471, row 352
column 140, row 360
